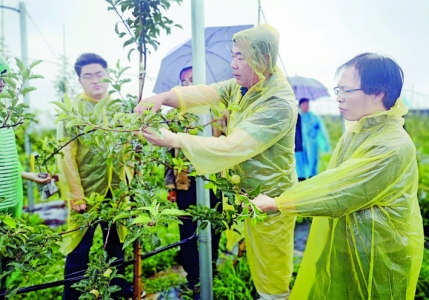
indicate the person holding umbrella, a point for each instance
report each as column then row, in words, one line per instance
column 366, row 238
column 259, row 145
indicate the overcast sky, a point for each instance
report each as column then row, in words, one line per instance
column 315, row 36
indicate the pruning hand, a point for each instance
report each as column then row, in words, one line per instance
column 155, row 102
column 166, row 139
column 265, row 203
column 37, row 177
column 78, row 205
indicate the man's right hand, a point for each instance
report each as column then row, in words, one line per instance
column 78, row 205
column 155, row 102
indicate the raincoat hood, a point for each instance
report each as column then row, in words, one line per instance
column 259, row 46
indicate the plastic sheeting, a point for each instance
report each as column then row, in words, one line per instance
column 366, row 239
column 259, row 147
column 83, row 172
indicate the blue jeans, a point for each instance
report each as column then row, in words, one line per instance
column 78, row 260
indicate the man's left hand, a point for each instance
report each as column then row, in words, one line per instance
column 265, row 203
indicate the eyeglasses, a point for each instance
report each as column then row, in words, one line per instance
column 186, row 82
column 344, row 93
column 98, row 75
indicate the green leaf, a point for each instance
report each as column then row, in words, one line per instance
column 255, row 192
column 5, row 95
column 62, row 105
column 67, row 101
column 25, row 74
column 87, row 128
column 10, row 82
column 34, row 63
column 81, row 108
column 35, row 76
column 141, row 219
column 27, row 89
column 9, row 222
column 20, row 64
column 129, row 54
column 100, row 106
column 129, row 42
column 75, row 123
column 63, row 117
column 174, row 212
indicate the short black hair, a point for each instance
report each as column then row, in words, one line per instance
column 378, row 74
column 302, row 100
column 87, row 59
column 184, row 70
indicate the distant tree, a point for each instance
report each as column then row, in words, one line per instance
column 65, row 82
column 143, row 23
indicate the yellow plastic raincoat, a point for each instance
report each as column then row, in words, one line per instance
column 366, row 240
column 83, row 172
column 259, row 146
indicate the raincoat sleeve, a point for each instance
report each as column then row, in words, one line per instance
column 70, row 183
column 364, row 180
column 197, row 99
column 257, row 132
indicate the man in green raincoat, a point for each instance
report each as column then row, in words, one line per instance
column 83, row 172
column 11, row 172
column 366, row 238
column 259, row 145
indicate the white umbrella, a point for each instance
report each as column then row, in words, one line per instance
column 218, row 44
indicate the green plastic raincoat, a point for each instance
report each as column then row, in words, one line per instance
column 259, row 147
column 11, row 189
column 83, row 172
column 366, row 240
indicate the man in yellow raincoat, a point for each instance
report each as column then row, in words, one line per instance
column 83, row 172
column 259, row 145
column 366, row 239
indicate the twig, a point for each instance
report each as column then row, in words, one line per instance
column 63, row 146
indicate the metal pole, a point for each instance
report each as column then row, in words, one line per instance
column 203, row 195
column 24, row 55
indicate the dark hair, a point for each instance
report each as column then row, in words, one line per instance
column 184, row 70
column 378, row 74
column 87, row 59
column 302, row 100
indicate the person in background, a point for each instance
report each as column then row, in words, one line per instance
column 83, row 172
column 11, row 172
column 366, row 238
column 258, row 146
column 315, row 139
column 182, row 189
